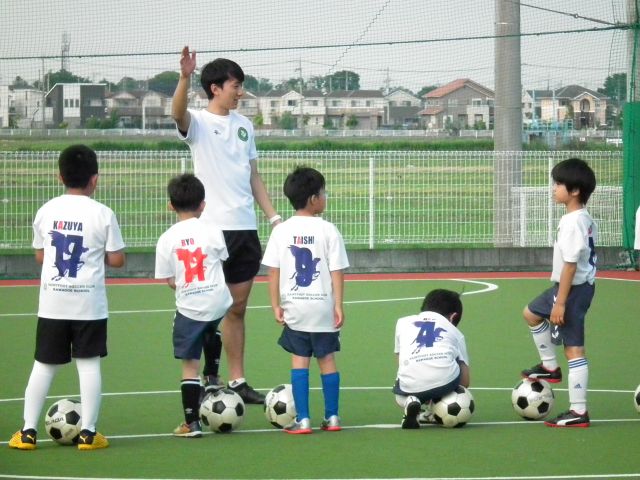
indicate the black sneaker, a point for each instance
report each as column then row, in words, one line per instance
column 569, row 419
column 248, row 394
column 411, row 412
column 541, row 373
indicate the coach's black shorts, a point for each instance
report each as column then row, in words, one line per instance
column 188, row 336
column 578, row 302
column 57, row 341
column 245, row 254
column 306, row 344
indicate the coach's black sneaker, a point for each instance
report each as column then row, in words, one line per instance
column 24, row 439
column 212, row 383
column 569, row 419
column 411, row 412
column 248, row 394
column 541, row 373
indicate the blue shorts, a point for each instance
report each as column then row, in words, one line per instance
column 307, row 344
column 59, row 340
column 245, row 254
column 578, row 302
column 188, row 336
column 431, row 394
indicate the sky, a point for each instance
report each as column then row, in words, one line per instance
column 389, row 43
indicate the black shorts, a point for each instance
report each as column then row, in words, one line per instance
column 57, row 341
column 306, row 344
column 578, row 302
column 245, row 255
column 188, row 336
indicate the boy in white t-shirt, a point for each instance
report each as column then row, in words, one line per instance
column 189, row 256
column 74, row 237
column 306, row 257
column 432, row 355
column 557, row 315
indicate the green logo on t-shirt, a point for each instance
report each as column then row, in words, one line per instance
column 243, row 134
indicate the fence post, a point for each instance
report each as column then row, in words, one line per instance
column 550, row 227
column 372, row 209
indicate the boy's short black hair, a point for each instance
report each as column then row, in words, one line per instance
column 77, row 164
column 186, row 192
column 444, row 302
column 217, row 72
column 575, row 173
column 301, row 184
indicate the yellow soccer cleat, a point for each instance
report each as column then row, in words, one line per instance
column 24, row 440
column 88, row 440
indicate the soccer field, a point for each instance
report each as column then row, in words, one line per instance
column 141, row 403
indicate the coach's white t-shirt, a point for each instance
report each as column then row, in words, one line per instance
column 222, row 147
column 429, row 347
column 306, row 250
column 75, row 231
column 576, row 238
column 192, row 253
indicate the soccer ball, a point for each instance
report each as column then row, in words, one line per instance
column 63, row 421
column 279, row 407
column 455, row 409
column 532, row 399
column 222, row 411
column 636, row 399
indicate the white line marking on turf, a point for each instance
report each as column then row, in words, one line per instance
column 488, row 287
column 387, row 388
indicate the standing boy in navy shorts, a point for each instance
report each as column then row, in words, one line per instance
column 558, row 314
column 189, row 256
column 306, row 259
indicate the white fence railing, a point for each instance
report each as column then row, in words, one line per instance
column 387, row 198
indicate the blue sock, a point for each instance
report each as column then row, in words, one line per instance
column 331, row 392
column 300, row 387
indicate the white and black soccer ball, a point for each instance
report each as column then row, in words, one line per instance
column 279, row 407
column 455, row 409
column 532, row 399
column 63, row 421
column 636, row 399
column 222, row 411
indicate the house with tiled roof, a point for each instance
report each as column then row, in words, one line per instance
column 402, row 109
column 462, row 103
column 580, row 106
column 367, row 107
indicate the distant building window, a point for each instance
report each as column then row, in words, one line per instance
column 274, row 103
column 314, row 103
column 77, row 102
column 476, row 102
column 335, row 103
column 452, row 101
column 66, row 102
column 407, row 103
column 354, row 103
column 291, row 103
column 368, row 103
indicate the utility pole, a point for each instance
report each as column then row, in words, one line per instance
column 507, row 118
column 301, row 97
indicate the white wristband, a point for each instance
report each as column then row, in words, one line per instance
column 274, row 219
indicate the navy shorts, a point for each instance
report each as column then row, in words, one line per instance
column 245, row 255
column 307, row 344
column 188, row 336
column 431, row 394
column 57, row 341
column 578, row 302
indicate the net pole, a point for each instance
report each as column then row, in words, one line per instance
column 631, row 133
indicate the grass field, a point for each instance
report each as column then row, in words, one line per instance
column 141, row 402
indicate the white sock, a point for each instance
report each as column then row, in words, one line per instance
column 578, row 381
column 90, row 390
column 237, row 381
column 542, row 339
column 35, row 394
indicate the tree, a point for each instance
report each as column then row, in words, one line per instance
column 61, row 76
column 126, row 84
column 342, row 80
column 287, row 121
column 291, row 84
column 352, row 122
column 164, row 82
column 257, row 85
column 426, row 89
column 615, row 87
column 19, row 82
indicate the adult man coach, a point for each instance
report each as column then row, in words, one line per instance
column 224, row 155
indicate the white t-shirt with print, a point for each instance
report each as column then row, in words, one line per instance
column 74, row 231
column 222, row 147
column 576, row 238
column 192, row 253
column 429, row 347
column 306, row 250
